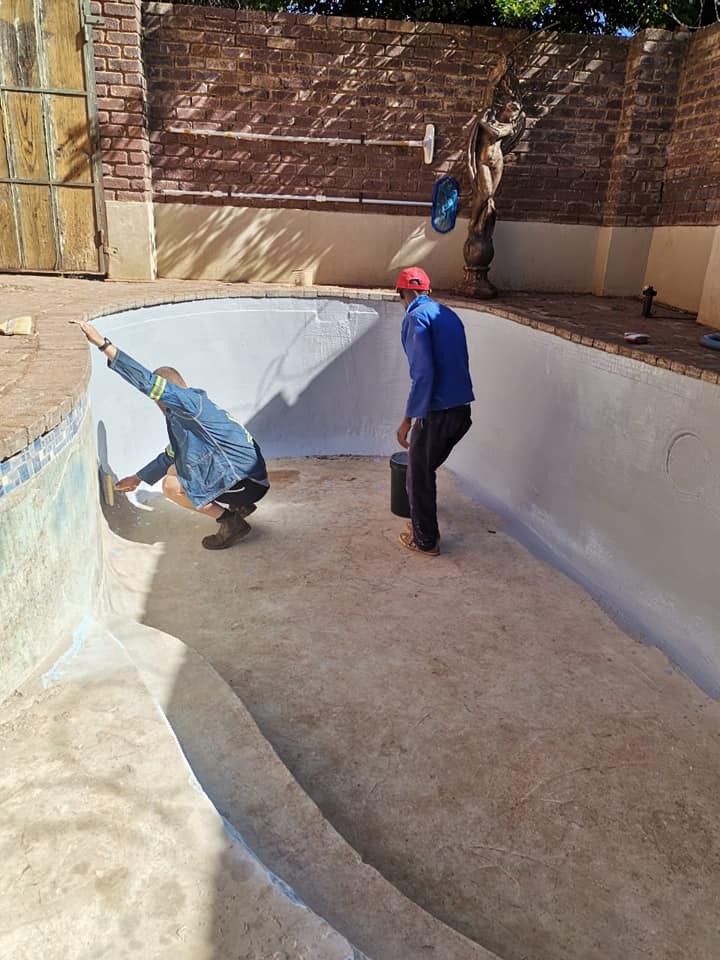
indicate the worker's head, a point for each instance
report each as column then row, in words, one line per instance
column 172, row 376
column 411, row 282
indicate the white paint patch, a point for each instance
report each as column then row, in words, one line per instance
column 64, row 662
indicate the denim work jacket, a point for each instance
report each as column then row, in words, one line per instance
column 210, row 449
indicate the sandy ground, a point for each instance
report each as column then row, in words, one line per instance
column 475, row 725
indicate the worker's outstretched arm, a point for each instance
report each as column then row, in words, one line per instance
column 153, row 386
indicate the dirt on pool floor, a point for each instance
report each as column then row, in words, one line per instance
column 474, row 724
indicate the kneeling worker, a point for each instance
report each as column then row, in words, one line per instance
column 212, row 465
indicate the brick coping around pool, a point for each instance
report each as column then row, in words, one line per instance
column 43, row 376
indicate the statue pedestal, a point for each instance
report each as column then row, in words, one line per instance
column 476, row 284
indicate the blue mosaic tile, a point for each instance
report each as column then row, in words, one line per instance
column 24, row 465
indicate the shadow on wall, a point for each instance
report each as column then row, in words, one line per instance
column 213, row 242
column 295, row 167
column 338, row 410
column 311, row 424
column 289, row 246
column 246, row 240
column 317, row 361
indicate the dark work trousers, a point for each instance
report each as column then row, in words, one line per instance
column 242, row 494
column 431, row 440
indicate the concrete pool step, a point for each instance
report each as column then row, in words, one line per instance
column 257, row 794
column 110, row 847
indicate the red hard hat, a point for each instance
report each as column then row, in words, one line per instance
column 413, row 278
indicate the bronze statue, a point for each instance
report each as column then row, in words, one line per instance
column 494, row 134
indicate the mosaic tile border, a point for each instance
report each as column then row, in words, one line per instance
column 23, row 466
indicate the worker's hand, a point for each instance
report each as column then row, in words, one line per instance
column 403, row 431
column 128, row 484
column 95, row 338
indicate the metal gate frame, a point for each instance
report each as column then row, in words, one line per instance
column 87, row 21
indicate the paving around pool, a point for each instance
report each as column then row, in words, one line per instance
column 316, row 743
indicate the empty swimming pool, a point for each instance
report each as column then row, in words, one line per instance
column 609, row 465
column 477, row 727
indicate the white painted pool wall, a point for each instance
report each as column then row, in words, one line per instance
column 610, row 465
column 305, row 375
column 614, row 466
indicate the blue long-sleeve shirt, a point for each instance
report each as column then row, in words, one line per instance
column 433, row 338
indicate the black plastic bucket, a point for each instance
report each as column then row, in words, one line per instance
column 399, row 503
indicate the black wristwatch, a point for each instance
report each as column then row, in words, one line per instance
column 105, row 344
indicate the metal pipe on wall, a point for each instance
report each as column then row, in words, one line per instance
column 314, row 198
column 427, row 143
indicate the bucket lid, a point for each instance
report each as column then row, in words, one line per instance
column 400, row 458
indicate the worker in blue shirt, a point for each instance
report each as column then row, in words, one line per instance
column 211, row 465
column 437, row 415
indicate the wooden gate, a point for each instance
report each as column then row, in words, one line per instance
column 52, row 214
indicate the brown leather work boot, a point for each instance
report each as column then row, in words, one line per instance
column 231, row 530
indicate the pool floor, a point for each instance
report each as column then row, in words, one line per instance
column 474, row 725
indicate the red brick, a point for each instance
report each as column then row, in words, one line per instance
column 119, row 9
column 105, row 77
column 122, row 37
column 604, row 142
column 115, row 183
column 106, row 50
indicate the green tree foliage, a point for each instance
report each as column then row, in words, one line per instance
column 574, row 16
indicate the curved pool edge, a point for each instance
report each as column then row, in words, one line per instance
column 268, row 810
column 105, row 797
column 54, row 365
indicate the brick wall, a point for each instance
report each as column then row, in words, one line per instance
column 637, row 171
column 280, row 73
column 692, row 178
column 560, row 170
column 121, row 92
column 305, row 76
column 618, row 131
